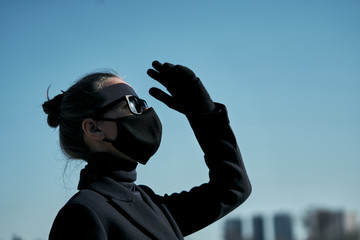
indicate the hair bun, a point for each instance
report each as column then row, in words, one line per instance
column 52, row 108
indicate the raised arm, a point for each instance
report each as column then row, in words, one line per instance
column 228, row 184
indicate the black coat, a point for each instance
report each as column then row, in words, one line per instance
column 104, row 209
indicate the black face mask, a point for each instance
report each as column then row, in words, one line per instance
column 138, row 136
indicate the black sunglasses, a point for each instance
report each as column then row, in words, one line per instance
column 136, row 105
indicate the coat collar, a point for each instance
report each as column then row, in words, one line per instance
column 154, row 220
column 105, row 186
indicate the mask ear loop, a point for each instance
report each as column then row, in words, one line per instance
column 108, row 140
column 110, row 120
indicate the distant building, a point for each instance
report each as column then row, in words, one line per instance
column 351, row 224
column 16, row 237
column 331, row 225
column 233, row 229
column 258, row 228
column 283, row 227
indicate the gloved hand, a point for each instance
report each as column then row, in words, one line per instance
column 188, row 94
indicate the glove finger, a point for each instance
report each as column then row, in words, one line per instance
column 157, row 65
column 157, row 76
column 154, row 74
column 167, row 66
column 161, row 96
column 162, row 67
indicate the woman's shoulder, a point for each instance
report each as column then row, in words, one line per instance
column 84, row 204
column 86, row 198
column 78, row 219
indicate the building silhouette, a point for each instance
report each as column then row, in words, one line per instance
column 283, row 227
column 16, row 237
column 331, row 225
column 233, row 229
column 258, row 228
column 318, row 223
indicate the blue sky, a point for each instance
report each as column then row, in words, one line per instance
column 288, row 71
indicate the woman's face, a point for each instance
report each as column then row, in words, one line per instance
column 111, row 92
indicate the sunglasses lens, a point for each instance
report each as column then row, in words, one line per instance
column 136, row 105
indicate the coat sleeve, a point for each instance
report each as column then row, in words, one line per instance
column 228, row 185
column 76, row 221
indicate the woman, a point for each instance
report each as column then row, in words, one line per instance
column 102, row 121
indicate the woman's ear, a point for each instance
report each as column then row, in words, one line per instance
column 91, row 129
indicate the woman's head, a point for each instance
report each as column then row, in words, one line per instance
column 69, row 109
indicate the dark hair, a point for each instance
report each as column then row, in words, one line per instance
column 68, row 110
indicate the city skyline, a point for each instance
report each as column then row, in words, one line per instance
column 286, row 226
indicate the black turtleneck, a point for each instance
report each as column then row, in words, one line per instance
column 104, row 164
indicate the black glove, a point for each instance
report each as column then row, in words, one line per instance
column 188, row 94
